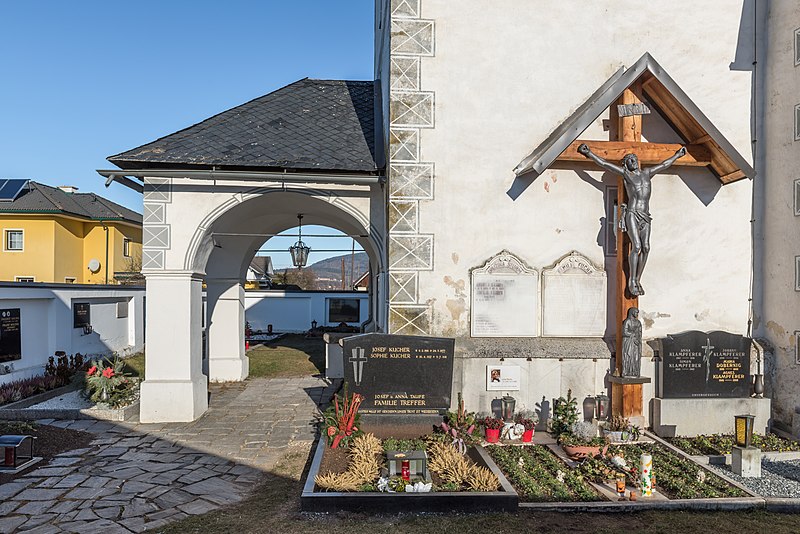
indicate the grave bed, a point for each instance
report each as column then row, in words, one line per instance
column 316, row 500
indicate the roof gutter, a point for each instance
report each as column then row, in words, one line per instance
column 125, row 176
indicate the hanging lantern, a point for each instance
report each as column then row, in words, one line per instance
column 508, row 404
column 744, row 429
column 299, row 250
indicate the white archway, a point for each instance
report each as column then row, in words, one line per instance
column 208, row 232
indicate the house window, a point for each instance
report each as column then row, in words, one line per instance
column 14, row 240
column 610, row 229
column 69, row 279
column 24, row 279
column 126, row 247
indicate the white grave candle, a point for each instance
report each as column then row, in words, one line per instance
column 646, row 474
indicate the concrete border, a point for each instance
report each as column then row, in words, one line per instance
column 505, row 500
column 717, row 504
column 26, row 414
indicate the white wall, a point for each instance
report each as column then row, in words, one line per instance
column 293, row 311
column 47, row 322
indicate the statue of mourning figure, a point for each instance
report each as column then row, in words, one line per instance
column 635, row 216
column 632, row 344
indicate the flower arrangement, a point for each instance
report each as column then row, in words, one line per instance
column 493, row 423
column 528, row 422
column 342, row 418
column 459, row 425
column 106, row 383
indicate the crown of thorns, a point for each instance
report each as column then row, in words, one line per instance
column 629, row 157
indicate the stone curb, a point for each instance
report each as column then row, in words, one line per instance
column 783, row 505
column 26, row 414
column 720, row 504
column 725, row 459
column 41, row 397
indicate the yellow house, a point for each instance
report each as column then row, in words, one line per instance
column 55, row 234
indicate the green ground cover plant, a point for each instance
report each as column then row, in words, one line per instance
column 539, row 476
column 715, row 444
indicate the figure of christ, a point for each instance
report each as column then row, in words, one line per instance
column 635, row 216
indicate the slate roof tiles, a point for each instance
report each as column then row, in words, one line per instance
column 309, row 125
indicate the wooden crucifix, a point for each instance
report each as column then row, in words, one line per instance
column 633, row 234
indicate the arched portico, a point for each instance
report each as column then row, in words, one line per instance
column 208, row 232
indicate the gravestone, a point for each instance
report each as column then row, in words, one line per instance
column 400, row 375
column 81, row 314
column 505, row 298
column 574, row 294
column 10, row 335
column 704, row 365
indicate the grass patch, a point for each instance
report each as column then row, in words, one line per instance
column 134, row 365
column 274, row 507
column 292, row 355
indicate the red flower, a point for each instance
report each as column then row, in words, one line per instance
column 92, row 370
column 108, row 372
column 331, row 430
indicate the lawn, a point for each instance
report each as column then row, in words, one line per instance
column 292, row 355
column 134, row 365
column 274, row 507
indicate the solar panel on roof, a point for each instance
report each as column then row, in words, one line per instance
column 10, row 189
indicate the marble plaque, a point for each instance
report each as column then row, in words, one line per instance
column 505, row 298
column 574, row 294
column 502, row 378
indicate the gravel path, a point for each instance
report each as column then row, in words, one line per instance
column 778, row 478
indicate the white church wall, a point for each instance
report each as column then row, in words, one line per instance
column 778, row 209
column 475, row 89
column 46, row 321
column 500, row 109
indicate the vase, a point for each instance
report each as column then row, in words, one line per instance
column 527, row 436
column 758, row 386
column 492, row 435
column 104, row 395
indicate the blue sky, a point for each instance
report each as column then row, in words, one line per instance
column 84, row 80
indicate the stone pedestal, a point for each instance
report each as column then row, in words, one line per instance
column 693, row 417
column 626, row 398
column 746, row 461
column 334, row 361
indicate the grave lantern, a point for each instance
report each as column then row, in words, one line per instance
column 603, row 403
column 744, row 430
column 17, row 450
column 413, row 464
column 299, row 250
column 313, row 325
column 508, row 403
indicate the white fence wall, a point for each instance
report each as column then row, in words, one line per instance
column 293, row 311
column 46, row 322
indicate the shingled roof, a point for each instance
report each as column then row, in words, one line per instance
column 40, row 198
column 322, row 125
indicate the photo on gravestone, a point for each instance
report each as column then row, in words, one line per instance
column 10, row 335
column 400, row 374
column 81, row 314
column 704, row 364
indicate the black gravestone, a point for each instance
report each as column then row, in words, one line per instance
column 81, row 314
column 698, row 364
column 10, row 335
column 401, row 375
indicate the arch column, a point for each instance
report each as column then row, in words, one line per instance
column 175, row 388
column 227, row 361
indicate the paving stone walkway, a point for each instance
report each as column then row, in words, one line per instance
column 135, row 476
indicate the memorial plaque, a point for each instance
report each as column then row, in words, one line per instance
column 574, row 294
column 81, row 314
column 10, row 335
column 400, row 374
column 502, row 378
column 505, row 298
column 699, row 364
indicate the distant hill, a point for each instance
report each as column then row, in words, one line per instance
column 329, row 271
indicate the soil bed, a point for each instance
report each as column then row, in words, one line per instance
column 50, row 441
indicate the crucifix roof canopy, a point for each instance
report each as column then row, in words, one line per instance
column 661, row 91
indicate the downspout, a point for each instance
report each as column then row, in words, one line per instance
column 105, row 227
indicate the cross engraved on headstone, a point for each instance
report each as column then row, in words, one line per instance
column 707, row 357
column 358, row 359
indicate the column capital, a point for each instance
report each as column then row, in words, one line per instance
column 173, row 274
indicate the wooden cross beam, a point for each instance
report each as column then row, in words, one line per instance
column 648, row 153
